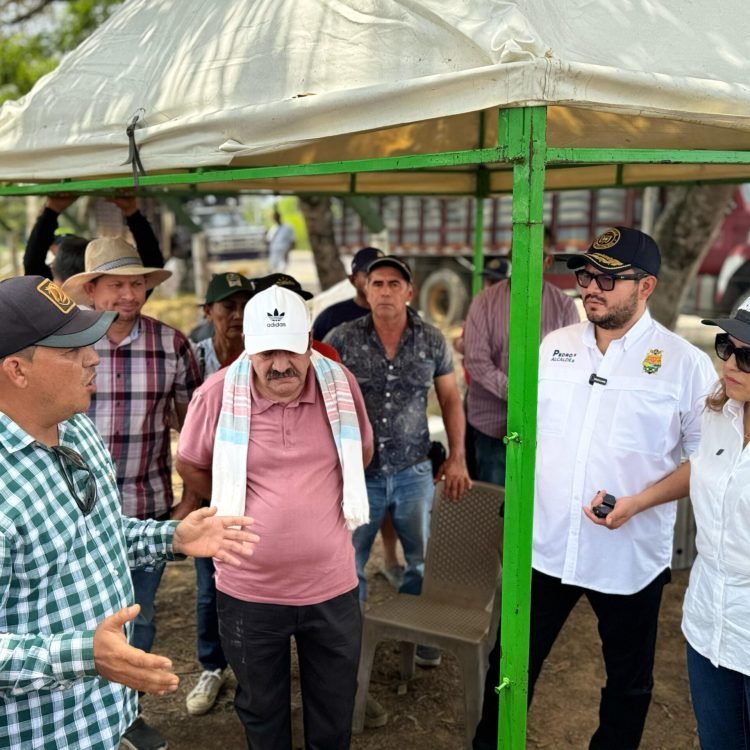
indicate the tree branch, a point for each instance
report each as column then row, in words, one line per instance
column 23, row 13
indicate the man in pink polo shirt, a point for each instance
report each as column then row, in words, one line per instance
column 287, row 429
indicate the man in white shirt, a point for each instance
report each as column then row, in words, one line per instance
column 620, row 402
column 280, row 240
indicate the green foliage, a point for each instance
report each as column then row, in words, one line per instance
column 31, row 49
column 79, row 19
column 23, row 60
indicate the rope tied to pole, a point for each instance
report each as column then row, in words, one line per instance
column 134, row 157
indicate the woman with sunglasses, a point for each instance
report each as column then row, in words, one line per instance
column 716, row 616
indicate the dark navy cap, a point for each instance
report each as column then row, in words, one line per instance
column 362, row 259
column 393, row 262
column 496, row 269
column 620, row 249
column 35, row 311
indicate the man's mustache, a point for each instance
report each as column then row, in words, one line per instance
column 594, row 297
column 290, row 372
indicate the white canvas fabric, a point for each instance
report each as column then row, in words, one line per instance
column 232, row 83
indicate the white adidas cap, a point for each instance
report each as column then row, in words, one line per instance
column 276, row 318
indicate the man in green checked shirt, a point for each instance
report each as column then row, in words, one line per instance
column 68, row 677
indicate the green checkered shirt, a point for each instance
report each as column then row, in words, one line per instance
column 61, row 574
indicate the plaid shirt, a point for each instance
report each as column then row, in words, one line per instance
column 61, row 574
column 395, row 390
column 137, row 382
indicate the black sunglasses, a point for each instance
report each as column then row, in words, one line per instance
column 725, row 349
column 69, row 462
column 605, row 281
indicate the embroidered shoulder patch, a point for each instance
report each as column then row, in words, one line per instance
column 652, row 361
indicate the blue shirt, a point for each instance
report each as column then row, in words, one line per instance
column 395, row 390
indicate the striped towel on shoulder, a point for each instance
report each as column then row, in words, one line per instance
column 229, row 471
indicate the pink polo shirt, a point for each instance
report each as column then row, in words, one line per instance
column 294, row 492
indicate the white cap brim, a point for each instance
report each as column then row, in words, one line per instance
column 298, row 343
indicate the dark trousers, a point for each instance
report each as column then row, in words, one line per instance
column 210, row 654
column 627, row 627
column 489, row 457
column 255, row 638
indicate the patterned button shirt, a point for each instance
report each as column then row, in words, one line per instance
column 137, row 382
column 61, row 574
column 395, row 391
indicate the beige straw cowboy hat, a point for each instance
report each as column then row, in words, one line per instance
column 112, row 256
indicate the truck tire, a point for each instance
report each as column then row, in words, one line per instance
column 443, row 297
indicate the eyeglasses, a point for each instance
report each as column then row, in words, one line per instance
column 71, row 461
column 725, row 349
column 605, row 281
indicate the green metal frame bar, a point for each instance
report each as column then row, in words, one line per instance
column 526, row 129
column 644, row 156
column 397, row 163
column 481, row 156
column 482, row 191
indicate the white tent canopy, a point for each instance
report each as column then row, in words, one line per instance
column 231, row 83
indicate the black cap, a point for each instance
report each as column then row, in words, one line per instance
column 284, row 280
column 36, row 311
column 496, row 269
column 393, row 262
column 620, row 249
column 738, row 326
column 223, row 285
column 362, row 259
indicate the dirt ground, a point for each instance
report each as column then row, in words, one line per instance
column 429, row 715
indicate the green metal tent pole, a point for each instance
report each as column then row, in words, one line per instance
column 525, row 131
column 478, row 259
column 482, row 190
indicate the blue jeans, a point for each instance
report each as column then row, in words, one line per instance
column 210, row 654
column 489, row 457
column 408, row 496
column 721, row 701
column 145, row 583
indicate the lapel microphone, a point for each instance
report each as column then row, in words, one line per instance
column 596, row 379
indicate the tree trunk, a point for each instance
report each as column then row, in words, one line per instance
column 684, row 232
column 317, row 212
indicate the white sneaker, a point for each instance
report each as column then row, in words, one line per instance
column 203, row 696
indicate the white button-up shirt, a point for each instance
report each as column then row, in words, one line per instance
column 621, row 434
column 716, row 615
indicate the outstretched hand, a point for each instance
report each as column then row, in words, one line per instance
column 204, row 534
column 116, row 660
